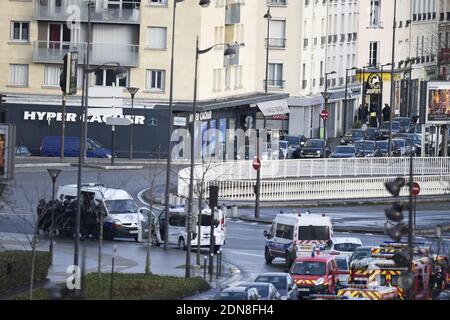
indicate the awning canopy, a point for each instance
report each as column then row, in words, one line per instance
column 274, row 107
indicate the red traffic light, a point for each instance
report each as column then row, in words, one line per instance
column 256, row 164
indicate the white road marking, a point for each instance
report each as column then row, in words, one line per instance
column 247, row 254
column 16, row 214
column 141, row 199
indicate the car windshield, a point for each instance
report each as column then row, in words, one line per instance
column 121, row 206
column 341, row 149
column 262, row 289
column 342, row 264
column 278, row 281
column 395, row 125
column 292, row 140
column 383, row 145
column 364, row 146
column 357, row 133
column 95, row 143
column 313, row 233
column 231, row 296
column 309, row 268
column 206, row 220
column 283, row 144
column 314, row 144
column 361, row 253
column 348, row 247
column 400, row 143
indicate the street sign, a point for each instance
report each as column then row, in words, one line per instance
column 324, row 114
column 112, row 121
column 256, row 164
column 415, row 189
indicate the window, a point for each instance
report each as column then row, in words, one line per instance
column 51, row 75
column 373, row 53
column 106, row 78
column 157, row 2
column 18, row 74
column 284, row 231
column 20, row 31
column 374, row 13
column 275, row 77
column 156, row 80
column 157, row 37
column 277, row 33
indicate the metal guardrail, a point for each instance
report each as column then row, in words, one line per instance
column 54, row 51
column 318, row 179
column 104, row 11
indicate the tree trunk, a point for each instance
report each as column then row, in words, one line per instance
column 149, row 241
column 33, row 257
column 100, row 247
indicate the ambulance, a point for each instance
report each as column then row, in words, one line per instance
column 297, row 234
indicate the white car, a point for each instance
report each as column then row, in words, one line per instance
column 345, row 245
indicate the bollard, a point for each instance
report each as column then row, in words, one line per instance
column 220, row 262
column 205, row 258
column 211, row 268
column 234, row 212
column 217, row 265
column 170, row 199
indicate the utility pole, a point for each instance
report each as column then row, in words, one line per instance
column 394, row 28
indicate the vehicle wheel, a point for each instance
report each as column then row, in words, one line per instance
column 267, row 256
column 289, row 259
column 181, row 244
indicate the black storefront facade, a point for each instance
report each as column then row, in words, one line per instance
column 35, row 121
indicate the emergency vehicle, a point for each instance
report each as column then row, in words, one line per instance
column 315, row 274
column 381, row 270
column 295, row 234
column 369, row 292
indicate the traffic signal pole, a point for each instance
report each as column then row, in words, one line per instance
column 410, row 222
column 63, row 124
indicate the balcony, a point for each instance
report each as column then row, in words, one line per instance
column 276, row 43
column 279, row 84
column 104, row 11
column 100, row 53
column 276, row 2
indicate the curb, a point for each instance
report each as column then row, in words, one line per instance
column 115, row 167
column 423, row 231
column 44, row 165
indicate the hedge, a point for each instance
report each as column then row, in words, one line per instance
column 15, row 268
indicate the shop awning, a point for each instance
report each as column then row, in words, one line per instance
column 274, row 107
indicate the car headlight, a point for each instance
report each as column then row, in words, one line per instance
column 302, row 152
column 108, row 156
column 318, row 151
column 283, row 298
column 319, row 281
column 117, row 222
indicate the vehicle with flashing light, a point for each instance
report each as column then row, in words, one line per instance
column 295, row 234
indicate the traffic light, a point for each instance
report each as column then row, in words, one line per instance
column 68, row 77
column 213, row 196
column 394, row 214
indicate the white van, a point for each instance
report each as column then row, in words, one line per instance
column 293, row 235
column 123, row 217
column 178, row 232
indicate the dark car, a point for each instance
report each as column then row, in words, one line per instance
column 383, row 146
column 283, row 282
column 406, row 123
column 396, row 128
column 352, row 136
column 266, row 290
column 237, row 293
column 295, row 142
column 313, row 148
column 361, row 253
column 344, row 152
column 367, row 149
column 416, row 140
column 373, row 134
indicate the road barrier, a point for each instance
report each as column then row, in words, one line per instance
column 318, row 179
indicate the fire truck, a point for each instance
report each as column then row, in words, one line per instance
column 381, row 270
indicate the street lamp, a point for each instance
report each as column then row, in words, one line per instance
column 346, row 96
column 132, row 91
column 203, row 4
column 228, row 51
column 119, row 72
column 54, row 173
column 394, row 28
column 326, row 96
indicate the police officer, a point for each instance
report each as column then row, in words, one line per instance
column 386, row 112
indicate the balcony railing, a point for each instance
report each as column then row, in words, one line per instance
column 100, row 53
column 275, row 83
column 103, row 11
column 276, row 43
column 276, row 2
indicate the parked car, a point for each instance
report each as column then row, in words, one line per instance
column 361, row 253
column 284, row 150
column 237, row 293
column 344, row 152
column 345, row 246
column 343, row 264
column 367, row 149
column 51, row 147
column 406, row 146
column 373, row 134
column 22, row 151
column 383, row 146
column 295, row 142
column 352, row 136
column 406, row 123
column 416, row 140
column 313, row 148
column 282, row 281
column 266, row 290
column 396, row 128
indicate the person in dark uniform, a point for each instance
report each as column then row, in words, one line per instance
column 386, row 112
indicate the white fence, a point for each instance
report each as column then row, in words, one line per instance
column 322, row 178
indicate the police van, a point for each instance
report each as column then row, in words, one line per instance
column 178, row 231
column 123, row 218
column 295, row 234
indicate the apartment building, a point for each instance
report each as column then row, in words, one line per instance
column 37, row 34
column 443, row 56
